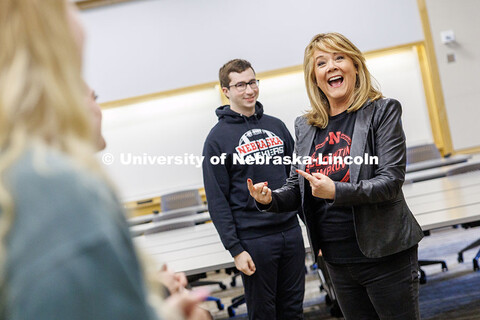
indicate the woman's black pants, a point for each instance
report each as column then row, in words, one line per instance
column 384, row 290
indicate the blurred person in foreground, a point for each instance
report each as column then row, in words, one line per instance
column 65, row 248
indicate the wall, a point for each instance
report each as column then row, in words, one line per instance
column 460, row 79
column 143, row 47
column 141, row 137
column 140, row 47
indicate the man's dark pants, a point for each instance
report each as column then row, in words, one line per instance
column 276, row 289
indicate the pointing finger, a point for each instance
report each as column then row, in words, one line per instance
column 307, row 176
column 318, row 175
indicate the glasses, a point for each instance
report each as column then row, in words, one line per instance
column 242, row 86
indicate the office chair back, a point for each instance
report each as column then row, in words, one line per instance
column 422, row 152
column 181, row 199
column 468, row 167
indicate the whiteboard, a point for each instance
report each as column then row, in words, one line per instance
column 177, row 126
column 152, row 131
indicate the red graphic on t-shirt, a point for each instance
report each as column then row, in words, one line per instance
column 327, row 158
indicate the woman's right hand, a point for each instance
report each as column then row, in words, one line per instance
column 260, row 192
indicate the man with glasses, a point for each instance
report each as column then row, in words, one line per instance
column 267, row 247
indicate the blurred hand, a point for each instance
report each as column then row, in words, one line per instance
column 321, row 185
column 260, row 192
column 174, row 282
column 199, row 313
column 187, row 303
column 244, row 263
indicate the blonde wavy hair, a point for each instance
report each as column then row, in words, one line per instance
column 364, row 89
column 43, row 105
column 42, row 94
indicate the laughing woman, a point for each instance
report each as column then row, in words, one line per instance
column 355, row 212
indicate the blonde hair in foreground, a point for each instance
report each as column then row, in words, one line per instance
column 42, row 95
column 364, row 90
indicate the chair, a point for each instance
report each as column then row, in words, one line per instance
column 471, row 246
column 236, row 301
column 234, row 273
column 194, row 281
column 421, row 262
column 417, row 154
column 173, row 206
column 180, row 204
column 422, row 152
column 468, row 167
column 180, row 200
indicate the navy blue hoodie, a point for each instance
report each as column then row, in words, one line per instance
column 231, row 207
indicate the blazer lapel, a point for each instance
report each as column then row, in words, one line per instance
column 360, row 132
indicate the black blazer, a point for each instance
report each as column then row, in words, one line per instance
column 383, row 222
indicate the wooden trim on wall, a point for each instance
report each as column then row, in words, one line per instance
column 90, row 4
column 266, row 75
column 382, row 52
column 260, row 75
column 280, row 72
column 468, row 150
column 158, row 95
column 433, row 87
column 428, row 86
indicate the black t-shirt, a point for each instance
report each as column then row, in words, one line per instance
column 334, row 224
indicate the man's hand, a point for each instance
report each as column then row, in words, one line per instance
column 244, row 263
column 260, row 192
column 321, row 185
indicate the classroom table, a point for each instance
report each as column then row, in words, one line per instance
column 445, row 201
column 435, row 163
column 436, row 172
column 157, row 216
column 420, row 189
column 435, row 203
column 193, row 250
column 173, row 223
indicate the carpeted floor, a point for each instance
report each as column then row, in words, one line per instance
column 452, row 295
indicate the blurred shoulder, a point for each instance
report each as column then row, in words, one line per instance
column 45, row 168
